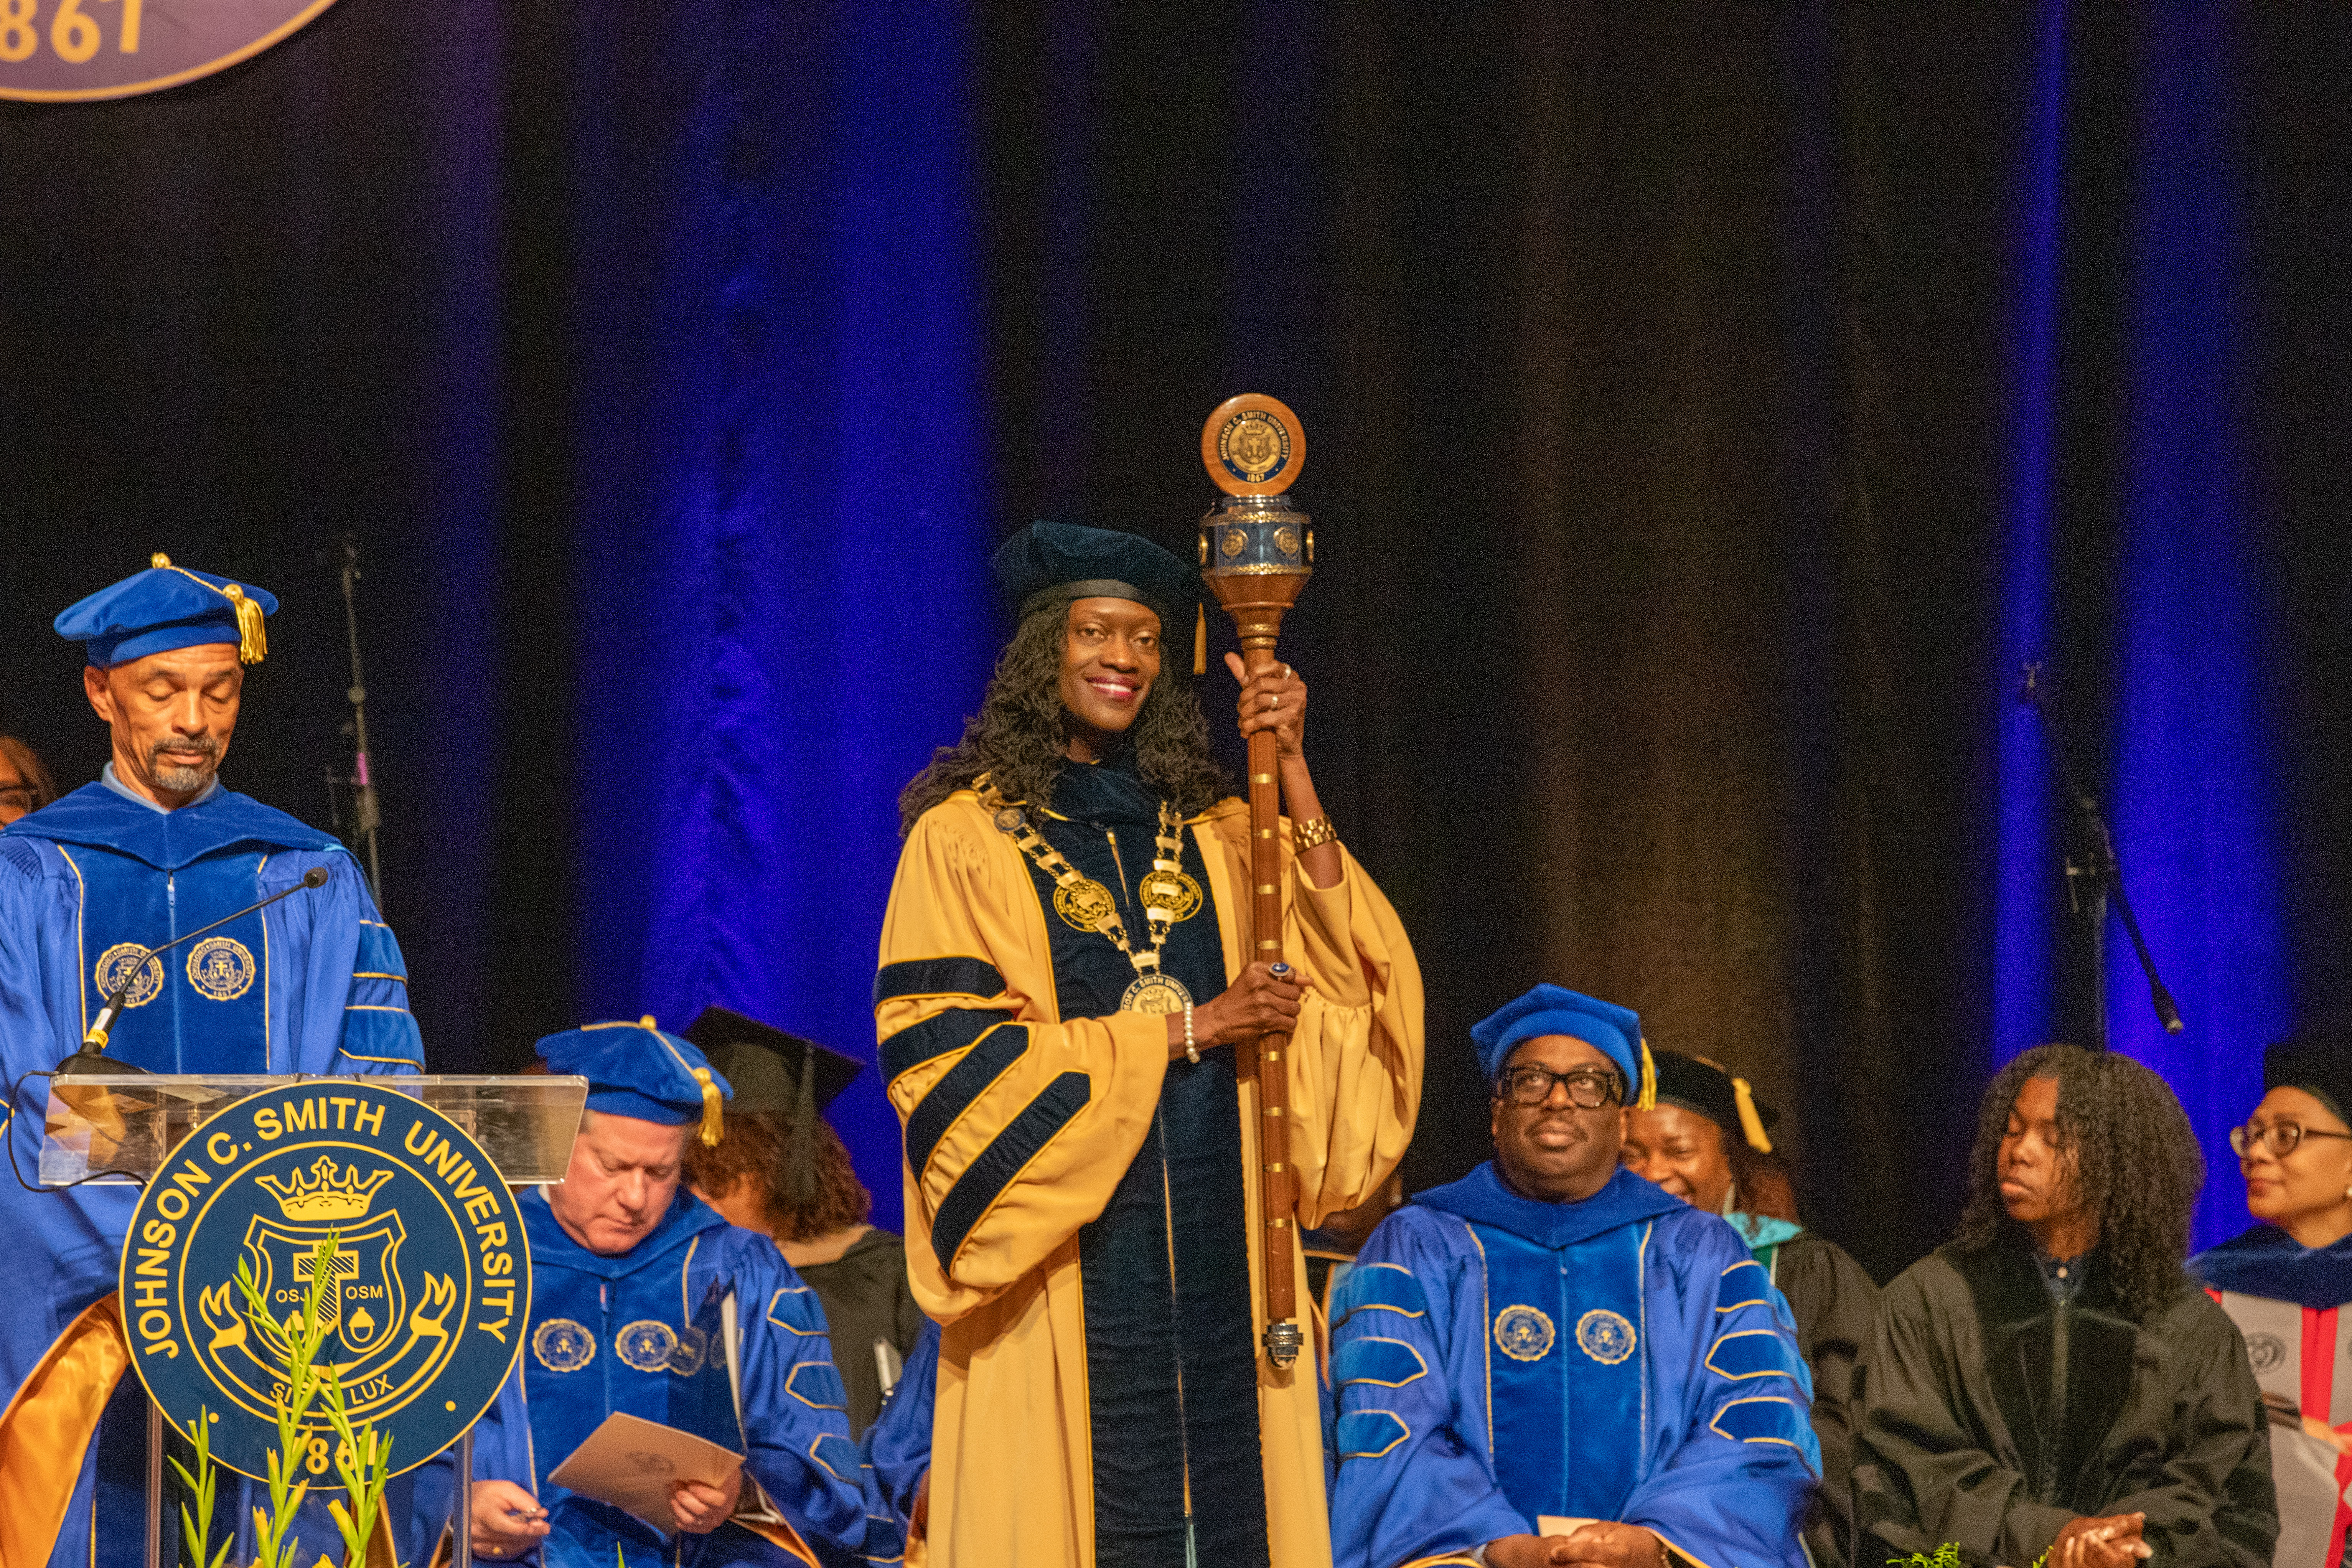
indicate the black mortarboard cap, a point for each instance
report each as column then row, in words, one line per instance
column 780, row 1073
column 1701, row 1086
column 1050, row 563
column 2316, row 1064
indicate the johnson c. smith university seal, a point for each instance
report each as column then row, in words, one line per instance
column 429, row 1295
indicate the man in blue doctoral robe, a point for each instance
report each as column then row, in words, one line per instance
column 159, row 849
column 637, row 1291
column 1552, row 1361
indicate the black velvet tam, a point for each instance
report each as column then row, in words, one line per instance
column 1050, row 561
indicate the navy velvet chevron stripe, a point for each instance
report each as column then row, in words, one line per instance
column 936, row 1035
column 952, row 976
column 959, row 1087
column 1011, row 1149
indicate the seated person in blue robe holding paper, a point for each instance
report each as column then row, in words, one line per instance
column 315, row 984
column 639, row 1292
column 1552, row 1361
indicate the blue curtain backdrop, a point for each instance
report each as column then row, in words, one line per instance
column 2191, row 718
column 781, row 503
column 1708, row 408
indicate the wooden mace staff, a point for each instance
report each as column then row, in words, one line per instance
column 1256, row 553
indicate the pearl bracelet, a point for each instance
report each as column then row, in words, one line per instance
column 1191, row 1052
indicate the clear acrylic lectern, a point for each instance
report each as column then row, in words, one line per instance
column 107, row 1128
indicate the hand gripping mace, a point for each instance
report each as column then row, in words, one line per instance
column 1257, row 552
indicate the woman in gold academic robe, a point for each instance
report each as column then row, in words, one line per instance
column 1065, row 974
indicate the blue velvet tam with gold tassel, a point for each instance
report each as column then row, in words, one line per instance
column 167, row 607
column 639, row 1070
column 1614, row 1031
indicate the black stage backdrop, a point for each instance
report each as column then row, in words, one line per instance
column 1659, row 365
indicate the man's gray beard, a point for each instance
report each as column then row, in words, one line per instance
column 177, row 772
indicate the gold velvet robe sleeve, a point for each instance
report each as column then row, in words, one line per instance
column 1020, row 1124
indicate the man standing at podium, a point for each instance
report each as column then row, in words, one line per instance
column 156, row 850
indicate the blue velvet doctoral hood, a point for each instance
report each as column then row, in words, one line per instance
column 2266, row 1262
column 1481, row 1197
column 167, row 840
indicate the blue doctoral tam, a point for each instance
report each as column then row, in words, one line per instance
column 164, row 608
column 1556, row 1010
column 636, row 1070
column 1051, row 562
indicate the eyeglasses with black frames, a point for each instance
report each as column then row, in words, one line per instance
column 1588, row 1088
column 2280, row 1137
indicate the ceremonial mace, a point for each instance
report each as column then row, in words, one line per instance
column 1257, row 552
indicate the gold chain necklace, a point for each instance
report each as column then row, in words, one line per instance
column 1167, row 892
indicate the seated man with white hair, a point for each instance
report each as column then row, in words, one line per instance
column 638, row 1290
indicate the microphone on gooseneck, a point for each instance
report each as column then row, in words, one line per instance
column 92, row 1057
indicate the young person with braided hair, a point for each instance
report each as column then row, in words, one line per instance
column 2051, row 1381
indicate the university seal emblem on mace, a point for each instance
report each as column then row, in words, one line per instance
column 428, row 1291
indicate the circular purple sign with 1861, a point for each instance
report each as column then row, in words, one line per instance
column 55, row 50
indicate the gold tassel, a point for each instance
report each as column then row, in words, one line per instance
column 1201, row 639
column 713, row 1109
column 252, row 642
column 1648, row 1099
column 159, row 561
column 1750, row 1122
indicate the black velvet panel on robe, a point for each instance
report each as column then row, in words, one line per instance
column 1990, row 1415
column 1171, row 1366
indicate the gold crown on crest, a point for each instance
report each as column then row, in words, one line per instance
column 326, row 1197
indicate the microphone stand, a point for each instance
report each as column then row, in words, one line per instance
column 2098, row 878
column 365, row 815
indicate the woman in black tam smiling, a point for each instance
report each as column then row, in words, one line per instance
column 1066, row 964
column 1703, row 1141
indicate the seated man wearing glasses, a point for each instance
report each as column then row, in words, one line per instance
column 2285, row 1283
column 1552, row 1361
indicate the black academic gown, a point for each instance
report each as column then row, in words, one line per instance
column 865, row 1297
column 1960, row 1436
column 1834, row 1302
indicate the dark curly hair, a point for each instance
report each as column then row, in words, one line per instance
column 2135, row 1166
column 1021, row 736
column 755, row 1149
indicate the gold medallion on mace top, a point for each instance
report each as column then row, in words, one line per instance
column 1253, row 446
